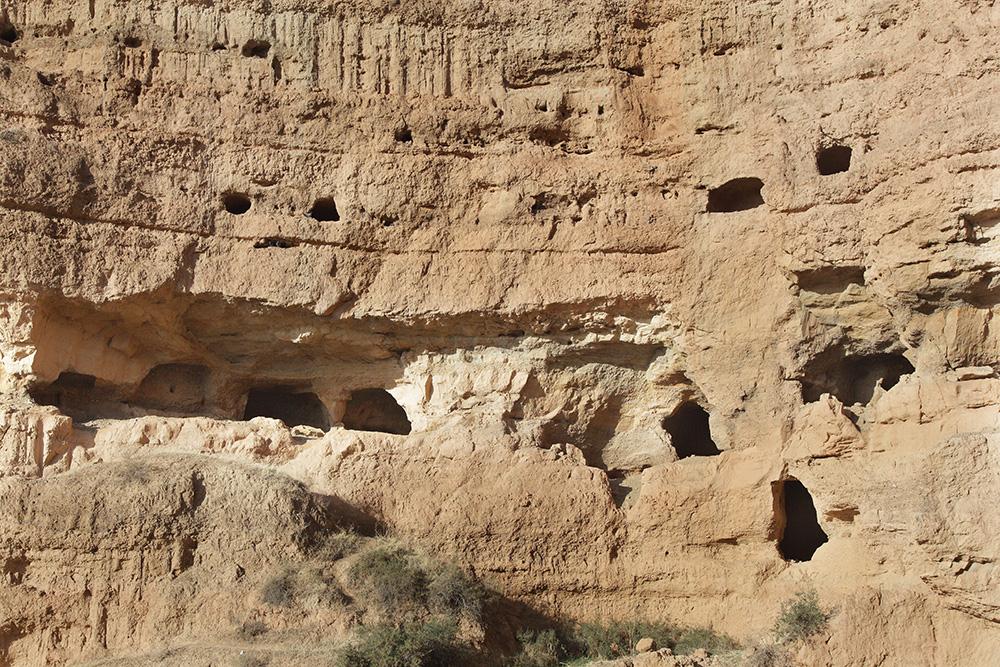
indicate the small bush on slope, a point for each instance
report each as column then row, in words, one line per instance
column 421, row 644
column 391, row 578
column 538, row 649
column 452, row 591
column 801, row 617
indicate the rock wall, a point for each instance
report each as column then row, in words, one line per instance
column 634, row 308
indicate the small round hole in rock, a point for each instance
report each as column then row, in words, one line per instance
column 403, row 135
column 833, row 160
column 325, row 210
column 236, row 203
column 132, row 42
column 255, row 48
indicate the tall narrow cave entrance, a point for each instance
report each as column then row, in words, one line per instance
column 292, row 407
column 689, row 431
column 375, row 410
column 799, row 534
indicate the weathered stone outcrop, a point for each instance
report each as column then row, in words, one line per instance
column 647, row 308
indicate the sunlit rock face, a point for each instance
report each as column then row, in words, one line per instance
column 659, row 309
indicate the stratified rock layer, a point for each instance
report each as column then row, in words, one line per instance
column 663, row 309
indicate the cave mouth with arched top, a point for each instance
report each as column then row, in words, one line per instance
column 375, row 410
column 295, row 408
column 689, row 431
column 798, row 532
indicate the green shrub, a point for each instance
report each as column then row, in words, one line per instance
column 279, row 590
column 691, row 639
column 538, row 649
column 391, row 577
column 801, row 617
column 429, row 644
column 618, row 638
column 451, row 590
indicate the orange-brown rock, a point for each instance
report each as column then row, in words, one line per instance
column 644, row 308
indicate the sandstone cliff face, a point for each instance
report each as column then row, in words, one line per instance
column 634, row 308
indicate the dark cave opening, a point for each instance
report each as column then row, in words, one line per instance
column 375, row 410
column 833, row 160
column 68, row 388
column 689, row 431
column 798, row 531
column 255, row 48
column 8, row 33
column 739, row 194
column 293, row 407
column 236, row 203
column 325, row 210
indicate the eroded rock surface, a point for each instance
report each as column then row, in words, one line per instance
column 638, row 308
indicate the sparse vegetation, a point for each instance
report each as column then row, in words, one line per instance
column 431, row 643
column 306, row 585
column 692, row 639
column 538, row 649
column 801, row 617
column 615, row 639
column 618, row 638
column 279, row 590
column 391, row 578
column 766, row 655
column 451, row 590
column 338, row 545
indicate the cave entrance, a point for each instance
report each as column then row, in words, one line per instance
column 74, row 394
column 739, row 194
column 853, row 379
column 689, row 431
column 375, row 410
column 798, row 531
column 833, row 160
column 290, row 406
